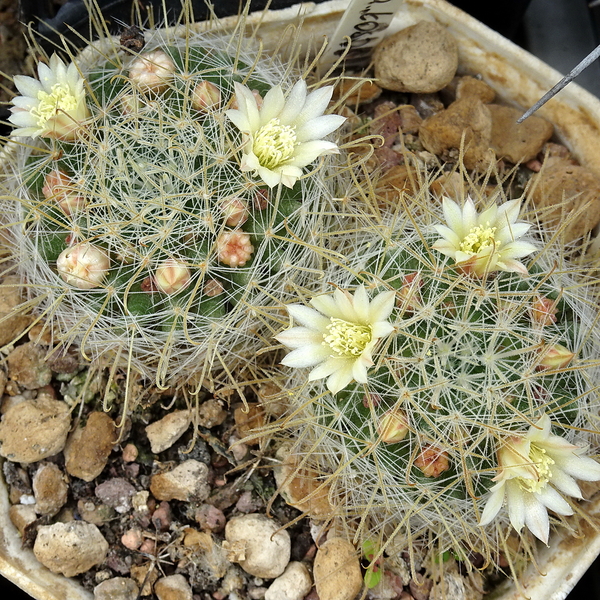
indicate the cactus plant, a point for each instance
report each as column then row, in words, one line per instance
column 160, row 200
column 452, row 395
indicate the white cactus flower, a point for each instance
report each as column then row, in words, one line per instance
column 486, row 242
column 84, row 265
column 55, row 106
column 284, row 134
column 338, row 341
column 534, row 470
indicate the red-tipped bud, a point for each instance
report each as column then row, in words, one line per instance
column 235, row 211
column 234, row 248
column 206, row 96
column 543, row 311
column 83, row 265
column 58, row 186
column 408, row 295
column 392, row 426
column 555, row 357
column 152, row 71
column 171, row 276
column 432, row 461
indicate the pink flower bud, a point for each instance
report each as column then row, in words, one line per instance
column 555, row 357
column 234, row 248
column 213, row 288
column 171, row 276
column 371, row 400
column 83, row 265
column 392, row 426
column 432, row 461
column 257, row 97
column 152, row 71
column 235, row 211
column 58, row 186
column 261, row 199
column 206, row 96
column 543, row 311
column 409, row 297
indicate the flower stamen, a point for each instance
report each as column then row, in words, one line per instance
column 480, row 238
column 541, row 464
column 274, row 144
column 347, row 339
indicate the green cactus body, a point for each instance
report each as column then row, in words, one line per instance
column 413, row 450
column 155, row 182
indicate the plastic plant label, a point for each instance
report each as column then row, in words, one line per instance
column 362, row 26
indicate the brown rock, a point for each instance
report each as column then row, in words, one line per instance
column 357, row 92
column 88, row 447
column 14, row 321
column 303, row 489
column 466, row 124
column 397, row 181
column 3, row 380
column 26, row 366
column 421, row 59
column 247, row 420
column 517, row 142
column 475, row 88
column 116, row 588
column 34, row 429
column 188, row 482
column 337, row 571
column 70, row 548
column 568, row 196
column 173, row 587
column 144, row 576
column 211, row 413
column 451, row 185
column 164, row 433
column 50, row 489
column 22, row 515
column 410, row 119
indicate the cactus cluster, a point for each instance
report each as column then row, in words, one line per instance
column 453, row 389
column 160, row 206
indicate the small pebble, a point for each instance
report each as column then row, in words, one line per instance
column 422, row 58
column 13, row 322
column 130, row 453
column 145, row 576
column 293, row 584
column 173, row 587
column 164, row 433
column 34, row 429
column 261, row 547
column 116, row 588
column 116, row 493
column 70, row 548
column 188, row 482
column 89, row 447
column 50, row 487
column 27, row 366
column 132, row 539
column 161, row 517
column 211, row 518
column 21, row 516
column 420, row 587
column 337, row 570
column 211, row 413
column 247, row 421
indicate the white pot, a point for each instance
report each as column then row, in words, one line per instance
column 518, row 78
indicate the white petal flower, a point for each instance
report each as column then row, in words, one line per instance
column 534, row 470
column 84, row 265
column 54, row 106
column 339, row 339
column 284, row 134
column 486, row 242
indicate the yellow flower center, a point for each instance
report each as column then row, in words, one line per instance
column 541, row 463
column 347, row 339
column 60, row 99
column 479, row 238
column 274, row 144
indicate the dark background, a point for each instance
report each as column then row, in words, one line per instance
column 560, row 32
